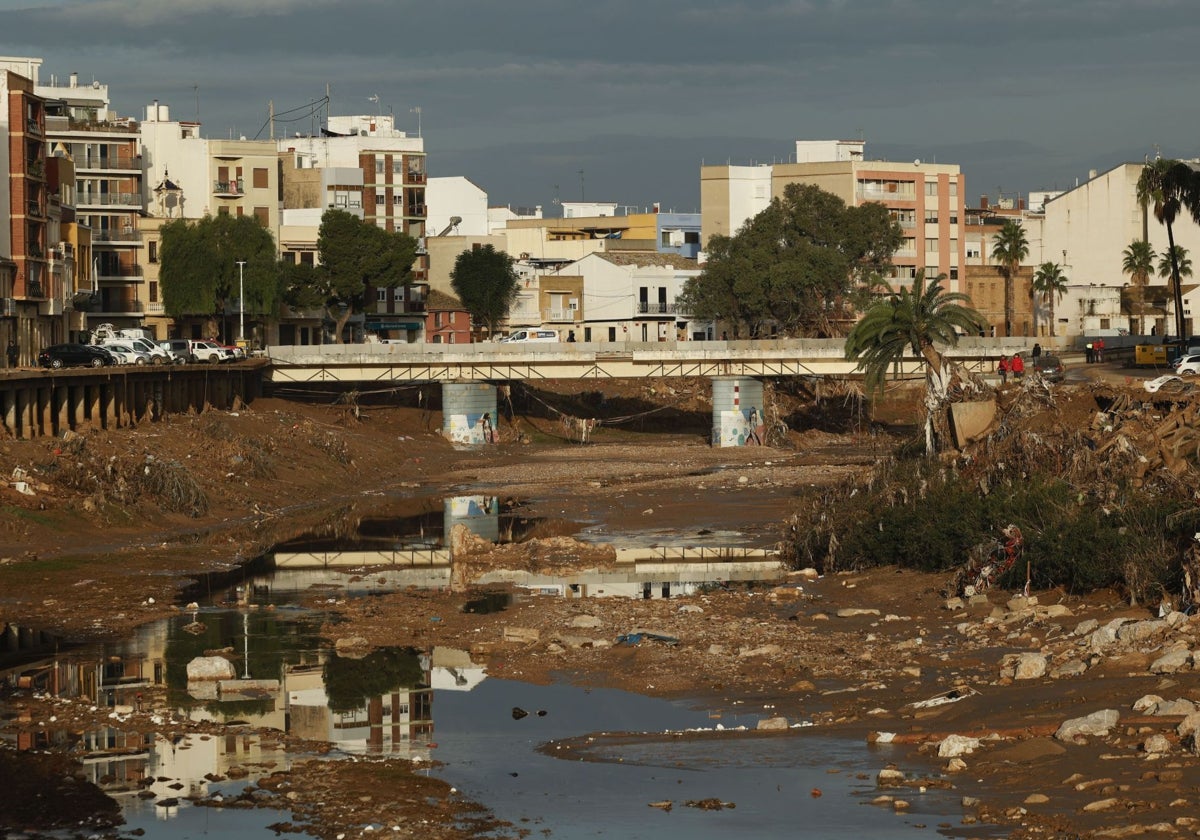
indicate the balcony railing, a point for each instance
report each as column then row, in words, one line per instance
column 234, row 187
column 416, row 210
column 560, row 316
column 119, row 199
column 120, row 306
column 415, row 177
column 110, row 162
column 155, row 308
column 652, row 308
column 120, row 272
column 104, row 235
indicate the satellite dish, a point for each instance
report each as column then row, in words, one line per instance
column 917, row 162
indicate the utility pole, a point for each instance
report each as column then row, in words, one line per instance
column 271, row 116
column 241, row 264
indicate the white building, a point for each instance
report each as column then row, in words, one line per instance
column 1087, row 230
column 631, row 296
column 456, row 206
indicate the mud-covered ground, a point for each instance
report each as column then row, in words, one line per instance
column 96, row 551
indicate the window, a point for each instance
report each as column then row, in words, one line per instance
column 398, row 197
column 153, row 248
column 263, row 214
column 931, row 217
column 381, row 295
column 953, row 218
column 241, row 211
column 612, row 333
column 379, row 166
column 306, row 258
column 380, row 198
column 153, row 288
column 437, row 320
column 260, row 178
column 397, row 165
column 289, row 257
column 223, row 210
column 953, row 273
column 953, row 189
column 398, row 293
column 973, row 252
column 453, row 317
column 931, row 246
column 931, row 188
column 953, row 246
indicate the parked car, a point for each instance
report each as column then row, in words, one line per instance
column 1049, row 367
column 208, row 351
column 157, row 355
column 521, row 336
column 179, row 349
column 126, row 355
column 1187, row 365
column 235, row 352
column 65, row 355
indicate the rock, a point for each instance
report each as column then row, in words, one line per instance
column 889, row 777
column 953, row 746
column 786, row 593
column 851, row 612
column 585, row 621
column 953, row 604
column 1188, row 727
column 690, row 608
column 772, row 724
column 1140, row 631
column 1085, row 627
column 977, row 600
column 1147, row 703
column 808, row 573
column 1021, row 602
column 1171, row 662
column 1055, row 611
column 1156, row 744
column 204, row 668
column 1104, row 636
column 1036, row 799
column 1101, row 804
column 1029, row 666
column 955, row 765
column 1097, row 723
column 1181, row 707
column 518, row 713
column 1070, row 668
column 765, row 650
column 521, row 635
column 716, row 650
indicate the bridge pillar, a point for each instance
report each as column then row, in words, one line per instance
column 737, row 403
column 469, row 412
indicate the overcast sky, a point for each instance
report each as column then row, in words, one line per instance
column 521, row 96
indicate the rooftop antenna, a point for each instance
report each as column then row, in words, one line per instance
column 196, row 91
column 416, row 109
column 375, row 98
column 581, row 198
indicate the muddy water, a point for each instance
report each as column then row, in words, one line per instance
column 437, row 703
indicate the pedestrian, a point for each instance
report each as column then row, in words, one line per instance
column 1098, row 349
column 13, row 352
column 1002, row 369
column 1090, row 352
column 1037, row 350
column 489, row 434
column 1018, row 366
column 571, row 337
column 724, row 335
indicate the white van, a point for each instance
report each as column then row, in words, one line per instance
column 157, row 355
column 530, row 335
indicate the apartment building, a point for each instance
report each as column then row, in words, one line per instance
column 1088, row 228
column 387, row 187
column 925, row 199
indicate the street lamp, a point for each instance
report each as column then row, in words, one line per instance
column 241, row 264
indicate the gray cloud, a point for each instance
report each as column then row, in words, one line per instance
column 520, row 95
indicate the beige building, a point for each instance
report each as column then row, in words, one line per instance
column 925, row 199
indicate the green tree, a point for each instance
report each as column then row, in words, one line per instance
column 1138, row 262
column 354, row 255
column 917, row 320
column 1050, row 282
column 1168, row 187
column 1010, row 247
column 198, row 267
column 1180, row 258
column 485, row 280
column 796, row 265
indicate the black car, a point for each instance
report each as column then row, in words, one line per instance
column 1050, row 367
column 65, row 355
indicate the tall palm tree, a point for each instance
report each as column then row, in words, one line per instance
column 1170, row 186
column 916, row 319
column 1009, row 248
column 1050, row 282
column 1138, row 262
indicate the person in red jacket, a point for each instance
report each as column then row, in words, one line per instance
column 1018, row 366
column 1002, row 369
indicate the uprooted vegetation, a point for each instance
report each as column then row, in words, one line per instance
column 1102, row 482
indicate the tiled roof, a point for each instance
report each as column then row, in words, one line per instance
column 647, row 258
column 440, row 300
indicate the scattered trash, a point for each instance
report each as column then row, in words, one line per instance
column 951, row 696
column 637, row 636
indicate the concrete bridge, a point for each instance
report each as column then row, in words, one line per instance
column 469, row 372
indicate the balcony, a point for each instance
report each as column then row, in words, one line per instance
column 36, row 169
column 415, row 210
column 119, row 306
column 560, row 316
column 414, row 177
column 111, row 199
column 231, row 189
column 132, row 237
column 155, row 308
column 645, row 307
column 35, row 209
column 119, row 272
column 128, row 163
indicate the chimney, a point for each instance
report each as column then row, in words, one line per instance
column 74, row 80
column 983, row 205
column 1020, row 204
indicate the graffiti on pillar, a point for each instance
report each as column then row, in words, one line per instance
column 739, row 427
column 472, row 428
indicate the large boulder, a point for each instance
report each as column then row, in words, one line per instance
column 1097, row 723
column 952, row 746
column 1171, row 662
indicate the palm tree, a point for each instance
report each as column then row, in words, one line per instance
column 1170, row 186
column 1138, row 262
column 1181, row 259
column 916, row 319
column 1009, row 249
column 1050, row 282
